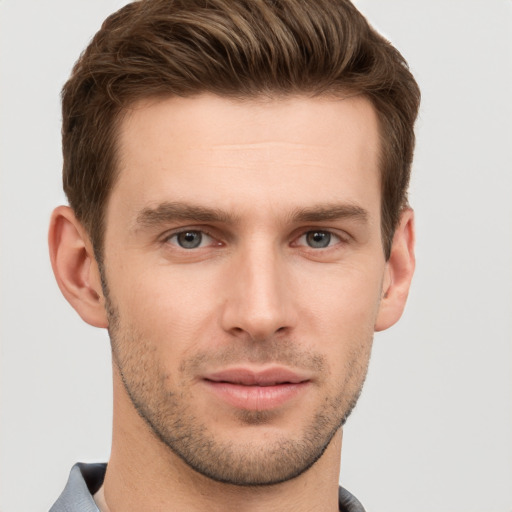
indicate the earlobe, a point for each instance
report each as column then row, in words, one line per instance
column 75, row 266
column 399, row 272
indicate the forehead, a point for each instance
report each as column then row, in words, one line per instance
column 279, row 150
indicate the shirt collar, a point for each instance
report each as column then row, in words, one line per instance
column 85, row 479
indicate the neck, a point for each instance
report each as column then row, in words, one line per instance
column 144, row 474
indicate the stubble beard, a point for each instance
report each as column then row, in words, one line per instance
column 242, row 463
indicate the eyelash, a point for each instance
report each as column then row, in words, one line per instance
column 308, row 235
column 176, row 234
column 339, row 239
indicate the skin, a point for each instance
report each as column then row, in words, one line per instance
column 257, row 178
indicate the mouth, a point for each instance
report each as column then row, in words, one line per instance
column 265, row 389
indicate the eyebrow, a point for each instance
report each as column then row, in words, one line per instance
column 172, row 211
column 168, row 212
column 330, row 212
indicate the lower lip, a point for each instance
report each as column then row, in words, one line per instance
column 256, row 398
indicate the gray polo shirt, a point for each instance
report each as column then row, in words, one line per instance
column 85, row 479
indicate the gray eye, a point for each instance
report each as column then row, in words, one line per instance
column 189, row 239
column 318, row 239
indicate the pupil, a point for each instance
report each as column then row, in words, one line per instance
column 318, row 239
column 189, row 239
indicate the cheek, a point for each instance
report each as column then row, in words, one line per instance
column 166, row 305
column 348, row 295
column 340, row 311
column 182, row 304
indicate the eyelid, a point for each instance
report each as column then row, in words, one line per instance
column 218, row 238
column 204, row 241
column 168, row 235
column 342, row 236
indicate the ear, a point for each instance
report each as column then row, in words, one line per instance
column 398, row 273
column 75, row 267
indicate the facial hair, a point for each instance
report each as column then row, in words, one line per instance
column 170, row 417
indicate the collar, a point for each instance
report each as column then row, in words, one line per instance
column 85, row 479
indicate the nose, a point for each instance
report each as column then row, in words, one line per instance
column 258, row 297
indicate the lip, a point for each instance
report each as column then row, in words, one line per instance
column 260, row 390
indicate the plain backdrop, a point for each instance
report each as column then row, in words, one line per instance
column 433, row 429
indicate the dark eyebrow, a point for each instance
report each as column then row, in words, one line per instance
column 327, row 212
column 168, row 212
column 172, row 211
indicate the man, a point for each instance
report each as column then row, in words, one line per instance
column 237, row 176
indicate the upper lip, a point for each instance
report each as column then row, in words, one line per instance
column 262, row 377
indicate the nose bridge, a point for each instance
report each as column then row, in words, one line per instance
column 258, row 299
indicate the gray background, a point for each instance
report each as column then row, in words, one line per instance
column 433, row 430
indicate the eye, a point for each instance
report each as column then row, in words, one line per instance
column 318, row 239
column 190, row 239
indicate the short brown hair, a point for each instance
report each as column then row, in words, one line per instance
column 234, row 48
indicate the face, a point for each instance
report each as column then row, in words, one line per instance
column 244, row 272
